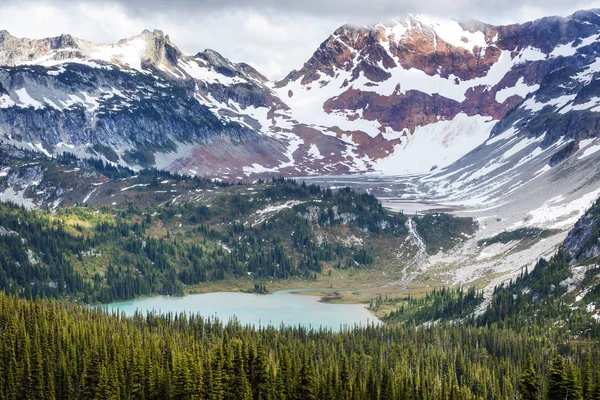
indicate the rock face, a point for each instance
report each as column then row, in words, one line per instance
column 582, row 241
column 430, row 83
column 139, row 102
column 403, row 97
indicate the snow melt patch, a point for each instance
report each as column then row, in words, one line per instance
column 555, row 213
column 134, row 186
column 204, row 74
column 128, row 53
column 520, row 89
column 436, row 145
column 39, row 147
column 26, row 100
column 521, row 145
column 257, row 169
column 591, row 105
column 452, row 33
column 314, row 152
column 263, row 215
column 589, row 151
column 6, row 101
column 62, row 144
column 557, row 103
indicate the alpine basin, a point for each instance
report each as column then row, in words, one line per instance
column 281, row 307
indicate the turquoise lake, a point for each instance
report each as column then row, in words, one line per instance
column 281, row 307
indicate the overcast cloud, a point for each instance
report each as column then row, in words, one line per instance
column 275, row 36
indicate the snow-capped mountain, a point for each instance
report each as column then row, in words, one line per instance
column 138, row 102
column 408, row 96
column 422, row 92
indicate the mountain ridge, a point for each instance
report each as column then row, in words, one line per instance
column 404, row 97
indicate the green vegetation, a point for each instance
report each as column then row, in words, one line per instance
column 104, row 254
column 518, row 234
column 443, row 231
column 542, row 295
column 53, row 350
column 533, row 341
column 537, row 297
column 439, row 305
column 142, row 157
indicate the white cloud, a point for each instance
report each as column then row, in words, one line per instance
column 274, row 36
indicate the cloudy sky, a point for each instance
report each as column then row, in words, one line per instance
column 275, row 36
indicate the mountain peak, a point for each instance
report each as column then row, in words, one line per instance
column 155, row 33
column 153, row 48
column 16, row 51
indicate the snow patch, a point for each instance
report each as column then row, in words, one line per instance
column 442, row 142
column 134, row 186
column 26, row 100
column 555, row 213
column 520, row 89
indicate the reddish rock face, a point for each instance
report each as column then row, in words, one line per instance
column 362, row 93
column 371, row 51
column 423, row 50
column 398, row 111
column 476, row 69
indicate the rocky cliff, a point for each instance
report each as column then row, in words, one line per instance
column 406, row 96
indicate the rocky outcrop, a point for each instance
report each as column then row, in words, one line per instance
column 582, row 242
column 66, row 94
column 419, row 88
column 16, row 51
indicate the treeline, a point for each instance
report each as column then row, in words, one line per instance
column 107, row 254
column 536, row 297
column 52, row 350
column 440, row 305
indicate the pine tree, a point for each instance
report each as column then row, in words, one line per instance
column 37, row 372
column 197, row 381
column 26, row 381
column 573, row 385
column 105, row 389
column 307, row 381
column 557, row 381
column 596, row 393
column 372, row 386
column 182, row 379
column 587, row 378
column 284, row 381
column 528, row 384
column 91, row 377
column 260, row 378
column 387, row 390
column 345, row 378
column 241, row 387
column 213, row 381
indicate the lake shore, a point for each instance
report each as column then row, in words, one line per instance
column 341, row 287
column 274, row 309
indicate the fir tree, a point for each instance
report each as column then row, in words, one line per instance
column 307, row 381
column 528, row 384
column 557, row 381
column 587, row 383
column 573, row 385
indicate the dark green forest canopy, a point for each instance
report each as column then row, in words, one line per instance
column 53, row 350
